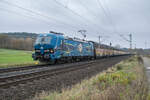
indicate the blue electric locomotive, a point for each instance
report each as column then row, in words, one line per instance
column 55, row 47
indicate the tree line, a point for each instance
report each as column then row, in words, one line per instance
column 19, row 43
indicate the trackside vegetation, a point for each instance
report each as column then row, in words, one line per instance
column 10, row 58
column 124, row 81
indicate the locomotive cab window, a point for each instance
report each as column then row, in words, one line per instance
column 43, row 40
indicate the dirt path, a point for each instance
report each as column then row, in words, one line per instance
column 147, row 65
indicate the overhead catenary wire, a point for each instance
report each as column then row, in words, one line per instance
column 25, row 9
column 65, row 7
column 28, row 16
column 90, row 12
column 87, row 21
column 37, row 13
column 105, row 13
column 31, row 11
column 82, row 17
column 24, row 15
column 108, row 15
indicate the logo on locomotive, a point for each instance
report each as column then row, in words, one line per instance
column 80, row 48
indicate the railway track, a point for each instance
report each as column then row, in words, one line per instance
column 20, row 86
column 14, row 69
column 15, row 76
column 23, row 77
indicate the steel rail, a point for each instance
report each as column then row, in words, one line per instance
column 22, row 78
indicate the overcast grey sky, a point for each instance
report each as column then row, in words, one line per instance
column 108, row 18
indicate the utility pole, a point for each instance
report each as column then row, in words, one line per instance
column 110, row 44
column 135, row 46
column 145, row 45
column 130, row 36
column 99, row 38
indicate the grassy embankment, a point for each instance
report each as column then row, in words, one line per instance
column 124, row 81
column 10, row 58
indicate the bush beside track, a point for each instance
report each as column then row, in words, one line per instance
column 125, row 81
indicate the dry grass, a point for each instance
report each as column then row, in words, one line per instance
column 125, row 81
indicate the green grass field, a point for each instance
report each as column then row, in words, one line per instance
column 10, row 58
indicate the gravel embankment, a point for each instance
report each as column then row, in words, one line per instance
column 57, row 82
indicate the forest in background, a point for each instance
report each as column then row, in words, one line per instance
column 17, row 40
column 25, row 41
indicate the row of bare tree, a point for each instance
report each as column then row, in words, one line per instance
column 16, row 43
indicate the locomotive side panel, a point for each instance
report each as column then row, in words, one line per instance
column 77, row 49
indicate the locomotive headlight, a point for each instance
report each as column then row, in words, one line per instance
column 51, row 51
column 41, row 47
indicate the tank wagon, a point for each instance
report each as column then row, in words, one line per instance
column 53, row 47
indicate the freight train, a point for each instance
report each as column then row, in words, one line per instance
column 55, row 47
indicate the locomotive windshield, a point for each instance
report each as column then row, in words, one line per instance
column 43, row 40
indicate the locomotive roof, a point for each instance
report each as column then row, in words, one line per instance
column 106, row 46
column 50, row 34
column 79, row 40
column 62, row 36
